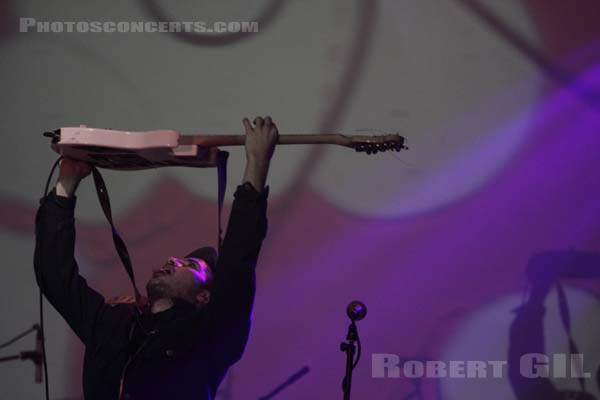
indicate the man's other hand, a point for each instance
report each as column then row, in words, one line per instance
column 71, row 173
column 260, row 140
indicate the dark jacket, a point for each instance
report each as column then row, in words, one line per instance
column 181, row 353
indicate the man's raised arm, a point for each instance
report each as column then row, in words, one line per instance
column 56, row 270
column 234, row 284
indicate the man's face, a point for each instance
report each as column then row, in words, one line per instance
column 184, row 278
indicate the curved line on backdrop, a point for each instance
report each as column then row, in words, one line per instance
column 331, row 117
column 550, row 68
column 430, row 210
column 213, row 39
column 345, row 88
column 447, row 204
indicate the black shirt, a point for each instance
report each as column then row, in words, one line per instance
column 181, row 353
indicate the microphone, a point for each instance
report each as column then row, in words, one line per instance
column 356, row 310
column 40, row 355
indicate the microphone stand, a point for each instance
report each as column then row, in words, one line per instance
column 356, row 311
column 349, row 348
column 32, row 355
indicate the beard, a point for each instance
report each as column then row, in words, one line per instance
column 157, row 288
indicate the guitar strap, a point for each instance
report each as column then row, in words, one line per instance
column 119, row 243
column 222, row 157
column 120, row 246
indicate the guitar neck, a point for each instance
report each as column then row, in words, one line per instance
column 239, row 140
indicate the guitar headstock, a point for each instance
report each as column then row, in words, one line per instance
column 376, row 144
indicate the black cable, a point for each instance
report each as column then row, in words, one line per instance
column 50, row 176
column 18, row 337
column 43, row 334
column 41, row 298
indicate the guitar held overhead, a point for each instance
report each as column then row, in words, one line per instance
column 135, row 150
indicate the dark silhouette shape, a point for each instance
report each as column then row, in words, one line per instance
column 544, row 271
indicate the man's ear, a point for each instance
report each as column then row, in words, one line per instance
column 203, row 297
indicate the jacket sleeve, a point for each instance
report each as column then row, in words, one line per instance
column 232, row 296
column 55, row 267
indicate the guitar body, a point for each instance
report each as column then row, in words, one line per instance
column 127, row 150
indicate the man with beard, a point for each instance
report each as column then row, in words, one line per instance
column 197, row 320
